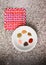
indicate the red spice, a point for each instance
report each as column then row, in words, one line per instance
column 30, row 40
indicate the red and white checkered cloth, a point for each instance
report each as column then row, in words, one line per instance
column 14, row 17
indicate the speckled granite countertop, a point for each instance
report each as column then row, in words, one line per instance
column 36, row 18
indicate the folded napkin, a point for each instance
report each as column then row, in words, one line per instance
column 14, row 17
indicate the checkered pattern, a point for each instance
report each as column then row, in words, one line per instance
column 14, row 17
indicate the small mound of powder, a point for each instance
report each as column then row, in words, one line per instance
column 19, row 35
column 29, row 34
column 24, row 31
column 30, row 40
column 25, row 43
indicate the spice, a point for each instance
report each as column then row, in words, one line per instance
column 19, row 35
column 29, row 34
column 19, row 41
column 30, row 40
column 24, row 31
column 25, row 43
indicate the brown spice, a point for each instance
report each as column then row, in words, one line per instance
column 29, row 34
column 25, row 43
column 19, row 35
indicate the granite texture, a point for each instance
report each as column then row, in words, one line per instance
column 36, row 18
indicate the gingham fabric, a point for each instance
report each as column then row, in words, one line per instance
column 14, row 17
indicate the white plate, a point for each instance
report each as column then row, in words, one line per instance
column 24, row 37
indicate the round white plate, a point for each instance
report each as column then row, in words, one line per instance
column 24, row 34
